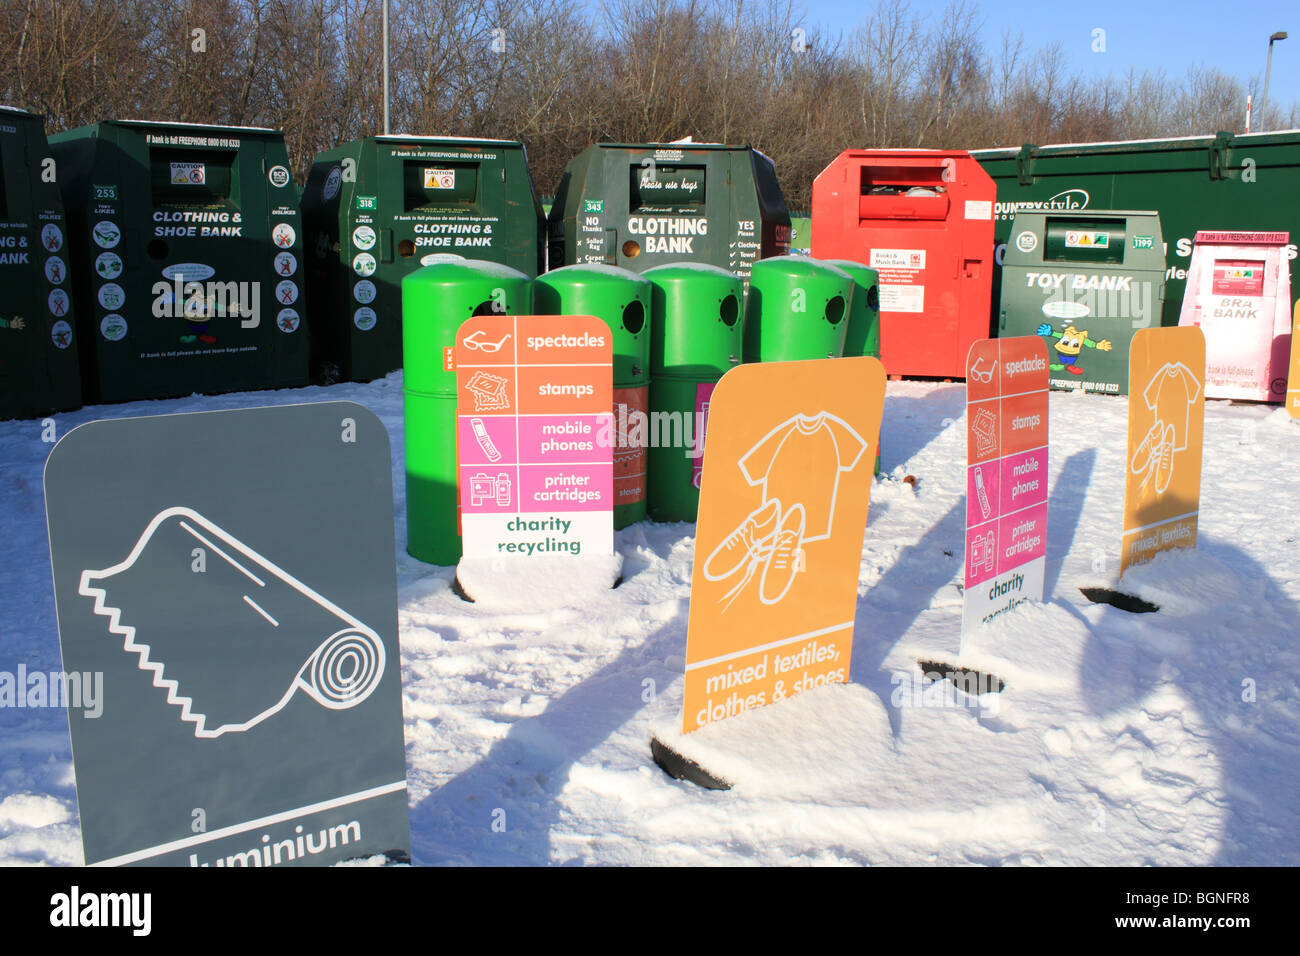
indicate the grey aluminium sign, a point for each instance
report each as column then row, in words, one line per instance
column 232, row 575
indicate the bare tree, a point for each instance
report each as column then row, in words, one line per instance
column 558, row 76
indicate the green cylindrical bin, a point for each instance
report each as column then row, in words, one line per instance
column 621, row 299
column 435, row 301
column 862, row 337
column 695, row 337
column 863, row 334
column 796, row 310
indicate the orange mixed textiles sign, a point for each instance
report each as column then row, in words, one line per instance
column 1293, row 385
column 783, row 506
column 535, row 435
column 1006, row 476
column 1166, row 425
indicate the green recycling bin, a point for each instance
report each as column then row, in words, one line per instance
column 436, row 299
column 862, row 337
column 863, row 334
column 641, row 205
column 695, row 336
column 38, row 343
column 1085, row 280
column 622, row 300
column 186, row 247
column 796, row 309
column 378, row 208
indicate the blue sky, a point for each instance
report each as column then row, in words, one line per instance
column 1231, row 35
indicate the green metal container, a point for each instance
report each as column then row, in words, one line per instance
column 436, row 299
column 1225, row 181
column 1085, row 281
column 696, row 335
column 186, row 259
column 641, row 205
column 622, row 300
column 38, row 339
column 378, row 208
column 863, row 334
column 797, row 309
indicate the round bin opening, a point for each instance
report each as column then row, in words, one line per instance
column 873, row 298
column 631, row 249
column 634, row 316
column 835, row 309
column 488, row 307
column 406, row 248
column 729, row 310
column 157, row 249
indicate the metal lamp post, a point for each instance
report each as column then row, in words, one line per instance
column 1263, row 100
column 1270, row 53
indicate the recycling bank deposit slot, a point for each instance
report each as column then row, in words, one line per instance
column 186, row 254
column 535, row 435
column 644, row 205
column 378, row 208
column 1085, row 282
column 38, row 345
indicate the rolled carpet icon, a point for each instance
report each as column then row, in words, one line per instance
column 226, row 633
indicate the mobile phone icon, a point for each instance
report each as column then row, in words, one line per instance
column 484, row 440
column 982, row 494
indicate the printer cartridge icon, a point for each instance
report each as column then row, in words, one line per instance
column 229, row 636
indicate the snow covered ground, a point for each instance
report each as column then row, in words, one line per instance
column 1168, row 738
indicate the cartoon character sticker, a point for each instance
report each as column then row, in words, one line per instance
column 1070, row 345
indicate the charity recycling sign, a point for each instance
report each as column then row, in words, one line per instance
column 1006, row 477
column 535, row 436
column 231, row 575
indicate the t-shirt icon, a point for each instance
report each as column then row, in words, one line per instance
column 780, row 463
column 1171, row 393
column 797, row 465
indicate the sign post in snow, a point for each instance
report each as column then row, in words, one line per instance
column 231, row 575
column 1166, row 428
column 1293, row 382
column 1006, row 477
column 535, row 436
column 783, row 506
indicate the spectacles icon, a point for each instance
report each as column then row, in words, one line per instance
column 474, row 342
column 979, row 374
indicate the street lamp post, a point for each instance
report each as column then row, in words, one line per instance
column 1270, row 53
column 1263, row 100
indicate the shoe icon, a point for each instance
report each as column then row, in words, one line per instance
column 785, row 559
column 1142, row 456
column 1164, row 466
column 743, row 544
